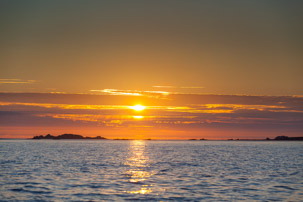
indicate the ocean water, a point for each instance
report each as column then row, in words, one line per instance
column 92, row 170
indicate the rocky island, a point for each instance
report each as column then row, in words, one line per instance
column 67, row 137
column 288, row 138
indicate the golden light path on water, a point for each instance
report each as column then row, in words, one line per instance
column 137, row 173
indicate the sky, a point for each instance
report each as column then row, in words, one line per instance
column 202, row 69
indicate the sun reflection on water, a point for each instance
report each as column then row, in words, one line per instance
column 138, row 163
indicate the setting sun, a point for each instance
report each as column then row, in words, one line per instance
column 137, row 107
column 138, row 117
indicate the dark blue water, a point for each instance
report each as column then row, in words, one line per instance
column 88, row 170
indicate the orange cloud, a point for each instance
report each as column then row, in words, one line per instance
column 16, row 81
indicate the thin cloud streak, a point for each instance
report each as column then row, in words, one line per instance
column 180, row 87
column 164, row 86
column 192, row 87
column 17, row 81
column 118, row 92
column 131, row 92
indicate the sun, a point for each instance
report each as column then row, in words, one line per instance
column 138, row 117
column 137, row 107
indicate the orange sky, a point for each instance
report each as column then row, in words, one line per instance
column 159, row 116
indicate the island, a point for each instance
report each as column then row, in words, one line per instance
column 288, row 138
column 67, row 137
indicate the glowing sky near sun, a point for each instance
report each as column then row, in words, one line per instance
column 175, row 116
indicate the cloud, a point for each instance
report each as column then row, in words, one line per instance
column 17, row 81
column 180, row 89
column 131, row 92
column 118, row 92
column 164, row 86
column 193, row 87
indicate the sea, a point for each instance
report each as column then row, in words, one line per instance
column 150, row 170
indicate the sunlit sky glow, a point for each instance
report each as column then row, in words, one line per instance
column 176, row 116
column 151, row 69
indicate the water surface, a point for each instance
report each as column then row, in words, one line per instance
column 92, row 170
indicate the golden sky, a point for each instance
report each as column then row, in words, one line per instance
column 209, row 69
column 151, row 115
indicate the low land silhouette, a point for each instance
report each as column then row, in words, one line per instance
column 80, row 137
column 67, row 137
column 287, row 138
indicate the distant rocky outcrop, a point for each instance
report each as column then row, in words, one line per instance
column 285, row 138
column 288, row 138
column 66, row 137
